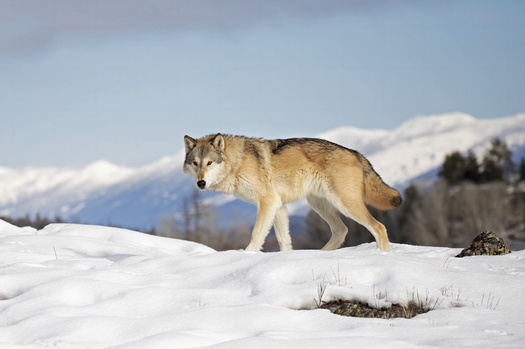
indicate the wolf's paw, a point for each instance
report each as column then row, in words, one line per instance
column 252, row 248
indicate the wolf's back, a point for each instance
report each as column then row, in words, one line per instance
column 377, row 193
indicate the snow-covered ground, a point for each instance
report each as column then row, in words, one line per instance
column 79, row 286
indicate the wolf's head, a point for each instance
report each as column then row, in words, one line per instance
column 204, row 159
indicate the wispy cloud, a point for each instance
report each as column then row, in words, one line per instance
column 34, row 24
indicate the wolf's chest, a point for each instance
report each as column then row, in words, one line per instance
column 246, row 192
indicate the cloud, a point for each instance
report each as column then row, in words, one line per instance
column 34, row 24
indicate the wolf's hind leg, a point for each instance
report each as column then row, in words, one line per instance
column 329, row 213
column 355, row 208
column 281, row 226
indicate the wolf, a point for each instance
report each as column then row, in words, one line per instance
column 271, row 173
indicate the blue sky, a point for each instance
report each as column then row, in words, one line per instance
column 126, row 80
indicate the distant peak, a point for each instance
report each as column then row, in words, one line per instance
column 451, row 118
column 100, row 164
column 431, row 124
column 103, row 168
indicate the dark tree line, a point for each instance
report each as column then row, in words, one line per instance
column 38, row 222
column 496, row 165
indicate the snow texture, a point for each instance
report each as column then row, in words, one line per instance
column 80, row 286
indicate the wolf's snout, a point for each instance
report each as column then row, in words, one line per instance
column 201, row 184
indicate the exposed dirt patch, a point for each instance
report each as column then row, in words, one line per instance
column 357, row 309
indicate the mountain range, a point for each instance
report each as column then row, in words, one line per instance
column 105, row 193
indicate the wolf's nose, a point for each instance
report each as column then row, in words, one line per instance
column 201, row 184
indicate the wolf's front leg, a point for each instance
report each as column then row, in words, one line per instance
column 281, row 227
column 266, row 211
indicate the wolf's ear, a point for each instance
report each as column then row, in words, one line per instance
column 190, row 143
column 218, row 141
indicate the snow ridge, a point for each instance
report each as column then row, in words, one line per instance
column 80, row 286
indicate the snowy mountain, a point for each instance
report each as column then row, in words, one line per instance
column 104, row 193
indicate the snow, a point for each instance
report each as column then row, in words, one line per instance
column 81, row 286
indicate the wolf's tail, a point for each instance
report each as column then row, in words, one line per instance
column 377, row 193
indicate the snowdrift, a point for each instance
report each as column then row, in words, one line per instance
column 96, row 287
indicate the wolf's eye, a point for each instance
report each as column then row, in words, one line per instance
column 195, row 163
column 210, row 162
